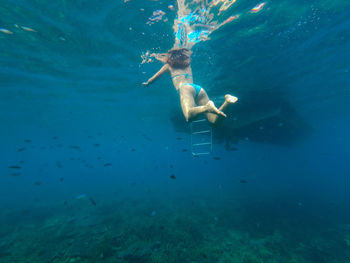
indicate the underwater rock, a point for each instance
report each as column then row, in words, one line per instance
column 136, row 252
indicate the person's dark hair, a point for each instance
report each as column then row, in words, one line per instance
column 179, row 58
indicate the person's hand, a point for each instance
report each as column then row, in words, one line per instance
column 145, row 83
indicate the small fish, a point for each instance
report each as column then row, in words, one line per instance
column 107, row 164
column 54, row 138
column 37, row 183
column 228, row 20
column 61, row 179
column 133, row 149
column 184, row 150
column 58, row 164
column 229, row 148
column 21, row 162
column 173, row 176
column 28, row 29
column 171, row 166
column 243, row 181
column 15, row 174
column 258, row 7
column 6, row 31
column 74, row 147
column 27, row 140
column 179, row 138
column 92, row 201
column 146, row 137
column 216, row 158
column 96, row 145
column 20, row 149
column 26, row 211
column 14, row 167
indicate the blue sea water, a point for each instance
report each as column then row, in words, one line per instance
column 96, row 167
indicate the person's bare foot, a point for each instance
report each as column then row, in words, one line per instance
column 230, row 99
column 212, row 109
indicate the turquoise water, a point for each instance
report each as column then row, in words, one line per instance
column 96, row 167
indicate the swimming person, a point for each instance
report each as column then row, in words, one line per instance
column 194, row 100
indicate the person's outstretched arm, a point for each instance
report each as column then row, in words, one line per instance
column 157, row 75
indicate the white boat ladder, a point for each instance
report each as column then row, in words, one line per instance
column 201, row 137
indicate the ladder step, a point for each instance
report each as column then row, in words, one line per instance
column 200, row 153
column 207, row 131
column 204, row 143
column 200, row 120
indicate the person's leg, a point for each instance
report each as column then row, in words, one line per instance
column 190, row 111
column 203, row 99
